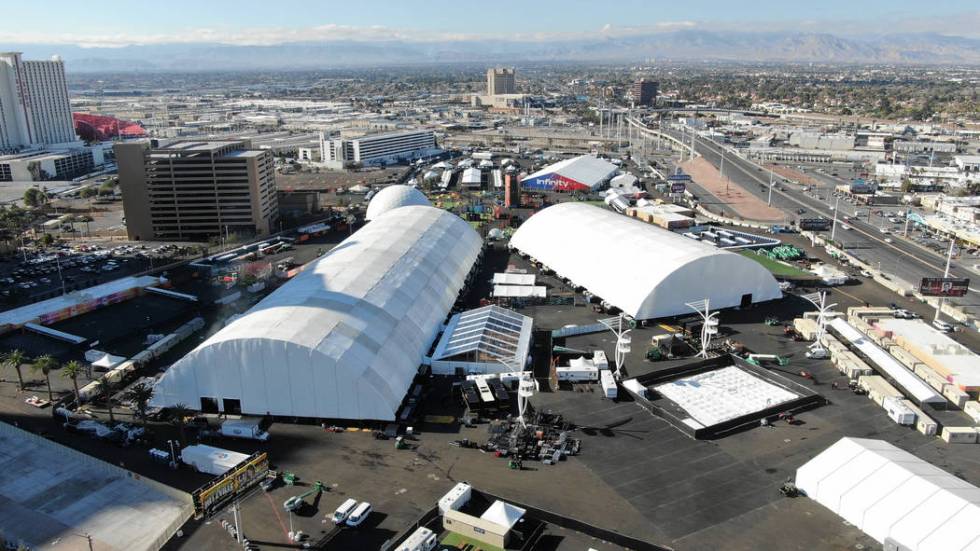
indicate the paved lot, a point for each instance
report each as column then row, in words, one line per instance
column 48, row 498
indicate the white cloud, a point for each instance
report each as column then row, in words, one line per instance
column 965, row 25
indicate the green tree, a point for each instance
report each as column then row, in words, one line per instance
column 179, row 413
column 35, row 197
column 44, row 365
column 71, row 371
column 140, row 394
column 88, row 193
column 47, row 240
column 103, row 389
column 14, row 359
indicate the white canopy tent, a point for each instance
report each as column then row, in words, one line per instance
column 645, row 271
column 345, row 337
column 896, row 498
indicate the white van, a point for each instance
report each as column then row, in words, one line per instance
column 344, row 511
column 362, row 512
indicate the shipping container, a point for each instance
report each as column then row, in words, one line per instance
column 973, row 410
column 878, row 388
column 923, row 423
column 956, row 396
column 959, row 435
column 609, row 388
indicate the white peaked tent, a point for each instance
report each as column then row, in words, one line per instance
column 896, row 498
column 393, row 197
column 645, row 271
column 345, row 337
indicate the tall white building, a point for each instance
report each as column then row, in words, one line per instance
column 34, row 108
column 374, row 149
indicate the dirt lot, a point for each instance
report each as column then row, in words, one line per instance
column 729, row 193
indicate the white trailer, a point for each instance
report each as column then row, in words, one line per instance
column 608, row 382
column 455, row 498
column 211, row 460
column 578, row 374
column 421, row 540
column 244, row 428
column 600, row 360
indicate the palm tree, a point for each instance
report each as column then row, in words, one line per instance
column 14, row 359
column 179, row 412
column 140, row 394
column 71, row 371
column 103, row 389
column 44, row 365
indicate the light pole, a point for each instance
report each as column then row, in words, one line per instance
column 623, row 341
column 771, row 182
column 709, row 325
column 833, row 228
column 817, row 351
column 949, row 259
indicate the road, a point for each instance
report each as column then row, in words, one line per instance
column 905, row 259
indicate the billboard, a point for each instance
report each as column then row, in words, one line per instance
column 944, row 286
column 212, row 496
column 814, row 224
column 678, row 187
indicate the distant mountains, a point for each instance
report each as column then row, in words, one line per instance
column 680, row 45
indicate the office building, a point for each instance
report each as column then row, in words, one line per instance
column 377, row 149
column 501, row 81
column 34, row 108
column 196, row 190
column 644, row 92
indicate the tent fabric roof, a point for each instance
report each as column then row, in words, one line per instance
column 585, row 169
column 345, row 337
column 491, row 330
column 891, row 494
column 393, row 197
column 503, row 514
column 645, row 271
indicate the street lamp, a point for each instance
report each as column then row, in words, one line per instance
column 817, row 351
column 709, row 325
column 833, row 228
column 623, row 340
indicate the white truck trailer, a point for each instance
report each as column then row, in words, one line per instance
column 211, row 460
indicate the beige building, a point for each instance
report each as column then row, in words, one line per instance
column 193, row 190
column 501, row 81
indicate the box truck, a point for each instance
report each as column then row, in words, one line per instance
column 244, row 428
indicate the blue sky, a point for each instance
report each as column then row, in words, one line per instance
column 116, row 22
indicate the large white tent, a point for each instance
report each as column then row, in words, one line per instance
column 393, row 197
column 896, row 498
column 345, row 337
column 645, row 271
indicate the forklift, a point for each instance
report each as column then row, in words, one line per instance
column 296, row 503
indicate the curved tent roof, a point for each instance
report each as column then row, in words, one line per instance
column 393, row 197
column 584, row 172
column 645, row 271
column 345, row 337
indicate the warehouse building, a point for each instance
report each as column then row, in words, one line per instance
column 393, row 197
column 896, row 498
column 645, row 271
column 582, row 173
column 345, row 338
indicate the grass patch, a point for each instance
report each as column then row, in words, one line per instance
column 458, row 541
column 777, row 268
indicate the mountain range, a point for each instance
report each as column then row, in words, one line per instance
column 679, row 45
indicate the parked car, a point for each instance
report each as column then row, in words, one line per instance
column 942, row 326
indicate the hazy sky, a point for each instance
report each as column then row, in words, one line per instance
column 117, row 22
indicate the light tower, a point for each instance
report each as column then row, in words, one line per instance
column 709, row 327
column 526, row 388
column 623, row 340
column 816, row 350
